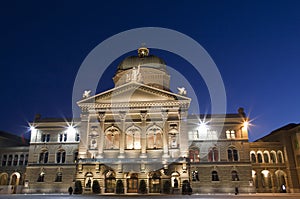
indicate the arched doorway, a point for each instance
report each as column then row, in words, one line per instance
column 110, row 181
column 14, row 181
column 3, row 179
column 132, row 183
column 175, row 180
column 281, row 181
column 88, row 180
column 154, row 182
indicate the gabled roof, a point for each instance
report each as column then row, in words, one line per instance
column 133, row 93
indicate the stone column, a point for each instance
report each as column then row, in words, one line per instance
column 122, row 135
column 102, row 134
column 143, row 135
column 183, row 133
column 164, row 115
column 82, row 151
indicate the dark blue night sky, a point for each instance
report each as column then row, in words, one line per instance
column 255, row 44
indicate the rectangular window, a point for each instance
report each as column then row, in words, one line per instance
column 26, row 159
column 4, row 160
column 45, row 137
column 65, row 137
column 21, row 160
column 77, row 137
column 9, row 162
column 15, row 163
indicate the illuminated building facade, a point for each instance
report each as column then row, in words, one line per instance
column 138, row 138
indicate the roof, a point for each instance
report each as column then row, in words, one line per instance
column 10, row 140
column 151, row 61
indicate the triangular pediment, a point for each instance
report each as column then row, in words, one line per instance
column 134, row 92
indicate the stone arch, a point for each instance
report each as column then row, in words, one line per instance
column 280, row 157
column 154, row 136
column 133, row 137
column 266, row 155
column 15, row 178
column 281, row 179
column 3, row 179
column 253, row 157
column 175, row 179
column 259, row 157
column 273, row 157
column 112, row 137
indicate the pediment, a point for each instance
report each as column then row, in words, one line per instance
column 133, row 92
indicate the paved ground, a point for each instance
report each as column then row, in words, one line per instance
column 64, row 196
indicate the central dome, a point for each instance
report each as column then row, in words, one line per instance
column 144, row 68
column 148, row 61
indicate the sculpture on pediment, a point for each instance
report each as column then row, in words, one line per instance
column 181, row 91
column 86, row 94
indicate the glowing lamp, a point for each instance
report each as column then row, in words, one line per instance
column 71, row 129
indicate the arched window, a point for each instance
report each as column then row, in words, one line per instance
column 273, row 157
column 3, row 179
column 253, row 157
column 112, row 138
column 234, row 176
column 233, row 154
column 280, row 157
column 214, row 176
column 43, row 158
column 58, row 177
column 133, row 138
column 266, row 157
column 110, row 181
column 259, row 157
column 154, row 137
column 230, row 134
column 213, row 155
column 173, row 137
column 61, row 156
column 194, row 154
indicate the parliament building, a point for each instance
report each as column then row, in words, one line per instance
column 138, row 138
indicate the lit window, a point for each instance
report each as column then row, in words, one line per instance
column 194, row 154
column 133, row 138
column 112, row 138
column 75, row 156
column 230, row 134
column 154, row 138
